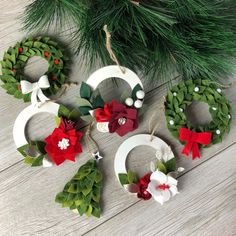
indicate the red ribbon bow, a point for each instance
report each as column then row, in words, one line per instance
column 192, row 140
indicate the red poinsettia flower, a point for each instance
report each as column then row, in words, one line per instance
column 142, row 187
column 64, row 143
column 121, row 119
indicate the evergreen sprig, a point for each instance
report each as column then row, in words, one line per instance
column 195, row 38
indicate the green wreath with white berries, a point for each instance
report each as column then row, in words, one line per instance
column 15, row 58
column 183, row 94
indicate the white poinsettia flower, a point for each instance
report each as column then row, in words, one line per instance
column 162, row 187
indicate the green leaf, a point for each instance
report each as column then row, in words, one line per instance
column 29, row 160
column 131, row 176
column 63, row 111
column 81, row 102
column 170, row 165
column 84, row 110
column 98, row 176
column 41, row 146
column 123, row 179
column 60, row 197
column 23, row 58
column 87, row 118
column 38, row 161
column 86, row 191
column 96, row 212
column 57, row 120
column 73, row 188
column 89, row 211
column 85, row 91
column 74, row 115
column 98, row 102
column 161, row 167
column 23, row 149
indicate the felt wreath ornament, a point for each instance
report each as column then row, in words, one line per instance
column 63, row 144
column 160, row 183
column 113, row 116
column 15, row 59
column 180, row 97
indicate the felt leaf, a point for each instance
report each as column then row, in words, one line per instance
column 96, row 212
column 63, row 111
column 87, row 118
column 74, row 115
column 98, row 102
column 85, row 91
column 38, row 161
column 131, row 176
column 57, row 120
column 123, row 179
column 29, row 160
column 41, row 146
column 82, row 102
column 135, row 90
column 170, row 165
column 84, row 110
column 89, row 211
column 161, row 167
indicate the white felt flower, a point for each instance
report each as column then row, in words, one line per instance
column 162, row 187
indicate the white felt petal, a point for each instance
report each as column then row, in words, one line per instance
column 159, row 176
column 173, row 189
column 159, row 198
column 171, row 181
column 47, row 163
column 165, row 195
column 152, row 187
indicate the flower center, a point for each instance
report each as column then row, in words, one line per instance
column 122, row 121
column 64, row 144
column 163, row 186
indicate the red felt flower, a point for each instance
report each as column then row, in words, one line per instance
column 121, row 118
column 63, row 144
column 142, row 187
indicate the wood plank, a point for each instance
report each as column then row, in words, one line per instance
column 22, row 186
column 206, row 205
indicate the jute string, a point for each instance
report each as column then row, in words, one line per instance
column 91, row 144
column 109, row 48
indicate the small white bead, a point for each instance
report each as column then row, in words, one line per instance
column 214, row 108
column 219, row 90
column 129, row 102
column 171, row 122
column 175, row 94
column 217, row 131
column 196, row 89
column 229, row 116
column 138, row 103
column 122, row 121
column 181, row 109
column 140, row 94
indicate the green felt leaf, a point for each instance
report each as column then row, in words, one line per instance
column 57, row 120
column 98, row 102
column 73, row 188
column 74, row 115
column 41, row 146
column 23, row 58
column 170, row 165
column 84, row 110
column 161, row 167
column 23, row 149
column 134, row 91
column 89, row 211
column 123, row 179
column 131, row 176
column 82, row 102
column 38, row 161
column 29, row 160
column 96, row 212
column 85, row 91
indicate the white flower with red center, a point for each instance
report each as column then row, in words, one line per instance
column 162, row 187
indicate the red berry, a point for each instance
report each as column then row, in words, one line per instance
column 20, row 50
column 56, row 61
column 53, row 77
column 46, row 53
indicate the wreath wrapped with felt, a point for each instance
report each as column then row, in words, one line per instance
column 180, row 97
column 15, row 58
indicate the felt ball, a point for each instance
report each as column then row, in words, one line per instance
column 138, row 104
column 229, row 116
column 196, row 89
column 53, row 77
column 171, row 122
column 219, row 90
column 129, row 102
column 181, row 109
column 175, row 94
column 217, row 131
column 214, row 108
column 20, row 50
column 140, row 94
column 46, row 53
column 56, row 61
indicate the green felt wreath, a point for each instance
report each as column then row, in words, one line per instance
column 16, row 57
column 82, row 193
column 182, row 95
column 34, row 151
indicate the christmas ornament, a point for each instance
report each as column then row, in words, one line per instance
column 64, row 142
column 160, row 183
column 114, row 116
column 194, row 38
column 82, row 193
column 16, row 58
column 180, row 97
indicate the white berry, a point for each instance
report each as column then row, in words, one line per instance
column 181, row 109
column 196, row 89
column 129, row 102
column 171, row 122
column 214, row 108
column 140, row 94
column 138, row 103
column 229, row 116
column 175, row 94
column 219, row 90
column 217, row 131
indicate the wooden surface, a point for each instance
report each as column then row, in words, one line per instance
column 206, row 205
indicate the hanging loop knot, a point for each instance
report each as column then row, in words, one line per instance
column 37, row 96
column 193, row 139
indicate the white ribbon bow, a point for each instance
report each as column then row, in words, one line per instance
column 36, row 89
